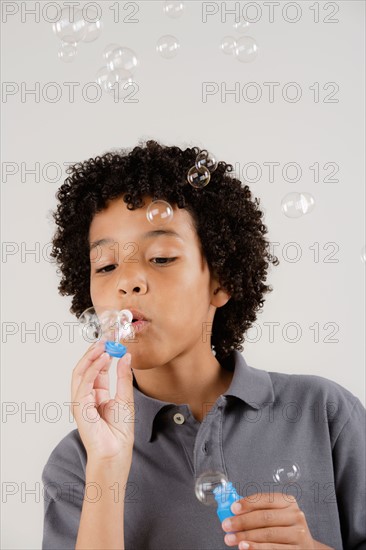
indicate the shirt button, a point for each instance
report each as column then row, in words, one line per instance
column 178, row 418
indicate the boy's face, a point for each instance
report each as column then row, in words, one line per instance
column 176, row 295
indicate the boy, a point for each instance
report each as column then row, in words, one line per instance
column 190, row 404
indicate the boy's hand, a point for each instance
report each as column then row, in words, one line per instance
column 106, row 425
column 270, row 523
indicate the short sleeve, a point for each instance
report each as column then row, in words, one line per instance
column 63, row 479
column 349, row 459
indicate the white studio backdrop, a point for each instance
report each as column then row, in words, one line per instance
column 290, row 120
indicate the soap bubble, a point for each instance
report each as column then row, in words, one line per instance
column 246, row 49
column 173, row 9
column 228, row 45
column 205, row 485
column 89, row 325
column 125, row 319
column 101, row 77
column 67, row 52
column 363, row 255
column 198, row 178
column 206, row 160
column 159, row 212
column 106, row 323
column 94, row 26
column 286, row 472
column 241, row 26
column 295, row 205
column 71, row 26
column 119, row 76
column 107, row 52
column 122, row 58
column 167, row 46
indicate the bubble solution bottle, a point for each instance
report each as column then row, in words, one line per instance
column 225, row 496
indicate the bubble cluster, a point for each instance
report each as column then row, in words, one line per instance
column 295, row 205
column 168, row 46
column 200, row 174
column 106, row 323
column 120, row 64
column 205, row 485
column 159, row 212
column 286, row 472
column 173, row 9
column 73, row 27
column 244, row 48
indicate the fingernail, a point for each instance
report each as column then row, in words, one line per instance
column 128, row 358
column 243, row 545
column 227, row 524
column 236, row 507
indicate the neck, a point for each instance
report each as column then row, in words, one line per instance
column 195, row 379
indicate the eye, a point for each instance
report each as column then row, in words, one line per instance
column 169, row 260
column 101, row 270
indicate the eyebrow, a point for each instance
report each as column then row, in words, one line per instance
column 145, row 236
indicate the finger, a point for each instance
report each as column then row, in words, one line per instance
column 87, row 359
column 86, row 384
column 248, row 545
column 102, row 384
column 263, row 518
column 261, row 501
column 271, row 535
column 124, row 387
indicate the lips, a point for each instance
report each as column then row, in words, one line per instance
column 137, row 315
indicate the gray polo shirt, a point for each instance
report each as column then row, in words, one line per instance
column 264, row 423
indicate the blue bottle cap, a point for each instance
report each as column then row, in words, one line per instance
column 115, row 349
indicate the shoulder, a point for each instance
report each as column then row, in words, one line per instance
column 333, row 402
column 68, row 456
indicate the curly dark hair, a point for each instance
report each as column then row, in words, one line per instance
column 227, row 221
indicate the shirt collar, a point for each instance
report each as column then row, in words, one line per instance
column 253, row 386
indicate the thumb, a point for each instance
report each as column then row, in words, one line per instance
column 124, row 387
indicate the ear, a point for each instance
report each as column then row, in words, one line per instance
column 219, row 296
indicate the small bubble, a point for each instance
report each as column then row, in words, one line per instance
column 198, row 178
column 241, row 26
column 122, row 58
column 121, row 77
column 159, row 212
column 206, row 160
column 107, row 52
column 168, row 46
column 363, row 255
column 102, row 77
column 228, row 45
column 286, row 472
column 295, row 205
column 246, row 49
column 173, row 9
column 94, row 26
column 71, row 26
column 67, row 52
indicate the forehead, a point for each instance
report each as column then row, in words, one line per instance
column 119, row 223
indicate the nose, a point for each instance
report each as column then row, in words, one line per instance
column 131, row 281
